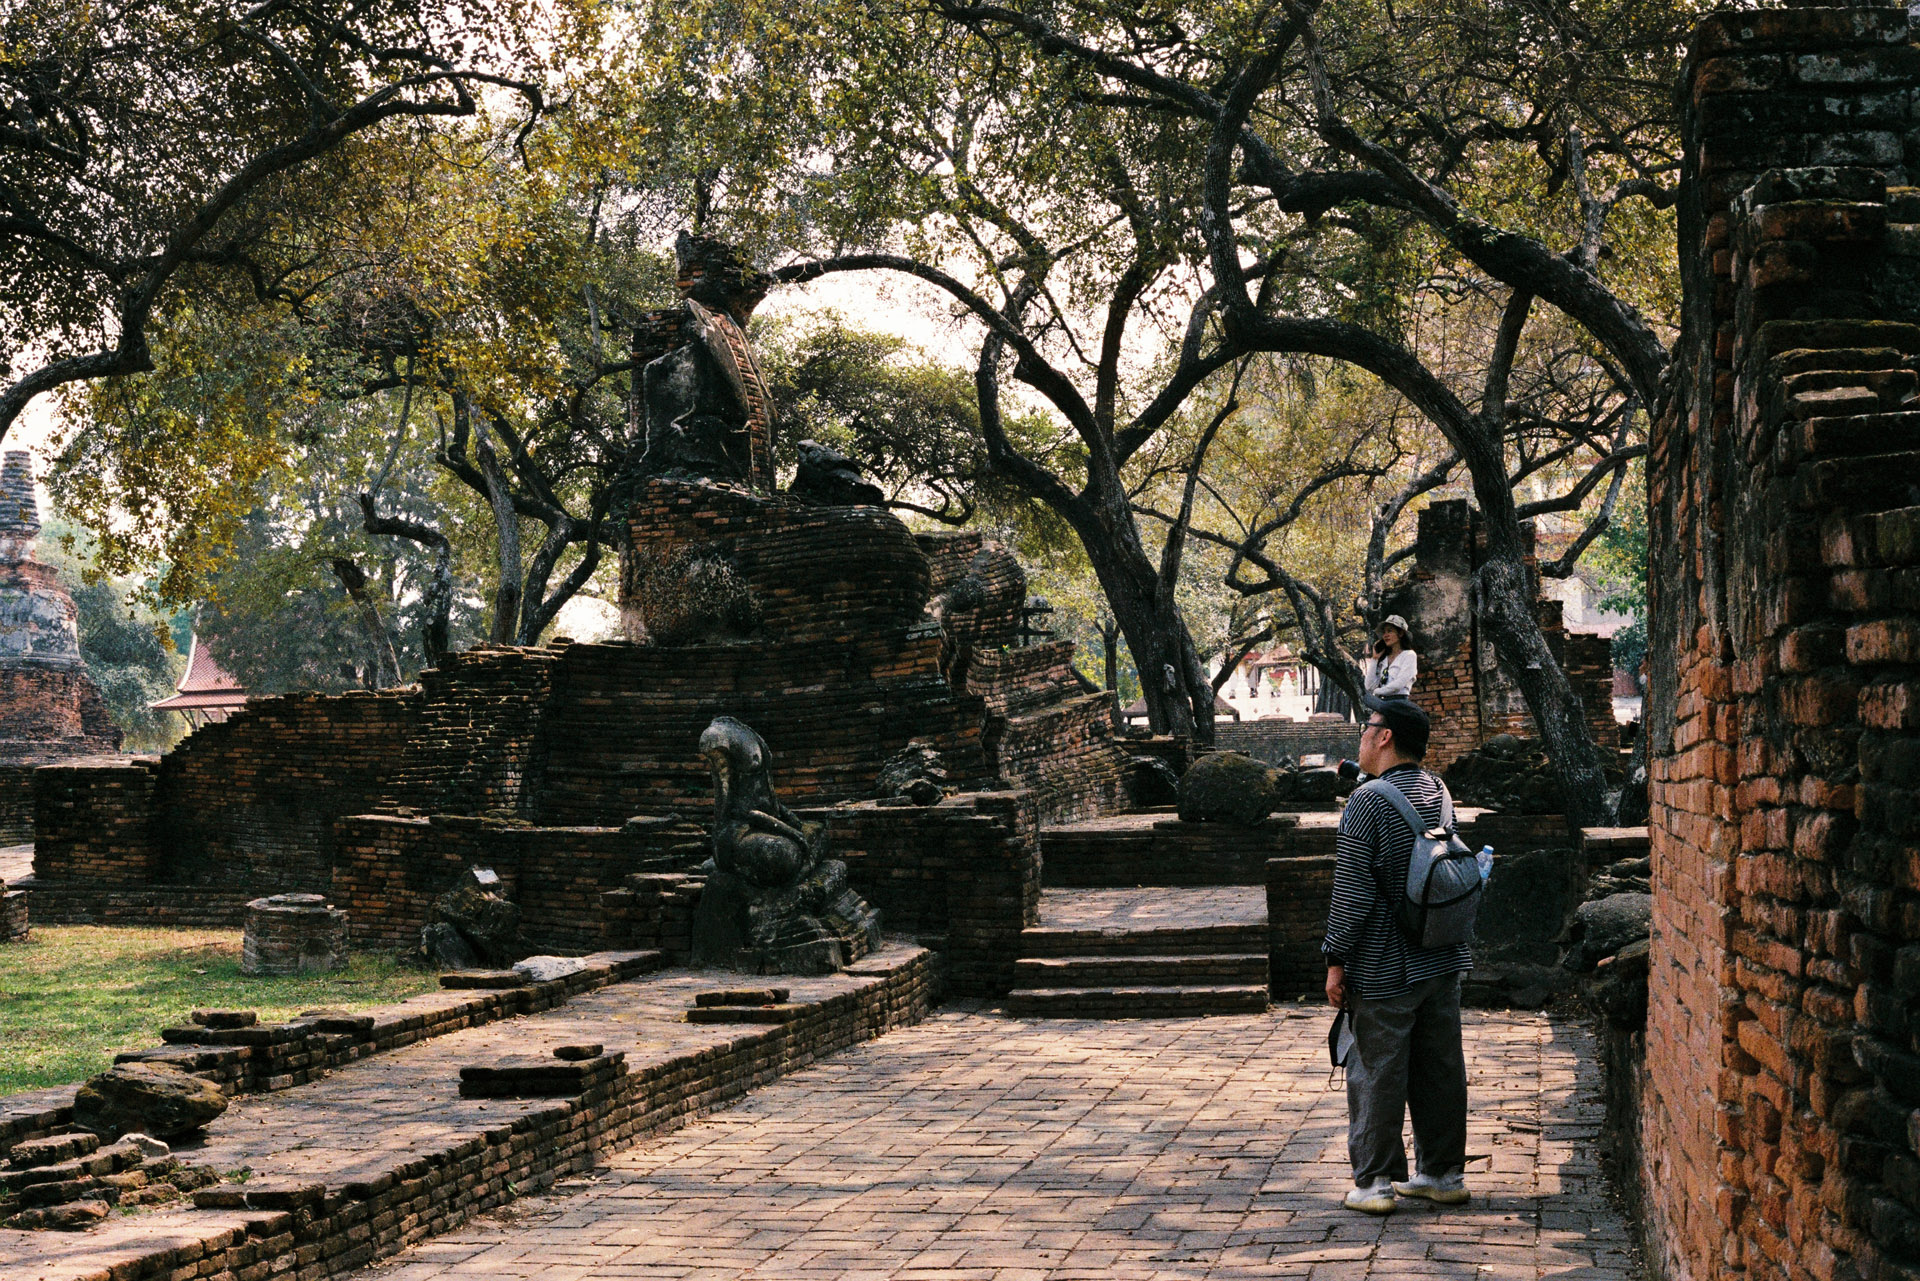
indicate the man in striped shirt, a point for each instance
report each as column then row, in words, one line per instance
column 1404, row 999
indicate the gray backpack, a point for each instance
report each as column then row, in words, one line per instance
column 1442, row 894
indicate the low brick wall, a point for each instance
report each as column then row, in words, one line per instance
column 1163, row 850
column 388, row 871
column 270, row 1057
column 1298, row 890
column 251, row 801
column 963, row 876
column 13, row 915
column 175, row 906
column 653, row 910
column 314, row 1230
column 94, row 821
column 1066, row 755
column 1300, row 886
column 1270, row 740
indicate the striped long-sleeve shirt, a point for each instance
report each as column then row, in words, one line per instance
column 1370, row 853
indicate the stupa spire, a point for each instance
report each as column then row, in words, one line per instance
column 19, row 513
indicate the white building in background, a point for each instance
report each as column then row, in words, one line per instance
column 1272, row 684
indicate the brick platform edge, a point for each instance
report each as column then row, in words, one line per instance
column 178, row 906
column 310, row 1231
column 279, row 1056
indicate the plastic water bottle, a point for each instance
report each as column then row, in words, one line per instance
column 1485, row 859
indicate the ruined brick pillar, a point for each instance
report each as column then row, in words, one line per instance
column 50, row 708
column 1780, row 1130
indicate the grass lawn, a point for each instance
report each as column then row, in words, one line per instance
column 73, row 996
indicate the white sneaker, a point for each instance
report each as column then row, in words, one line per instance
column 1448, row 1189
column 1377, row 1199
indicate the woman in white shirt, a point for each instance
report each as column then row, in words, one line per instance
column 1393, row 667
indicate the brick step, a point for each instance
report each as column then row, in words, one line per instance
column 1861, row 484
column 1189, row 940
column 1139, row 971
column 1136, row 1002
column 1851, row 435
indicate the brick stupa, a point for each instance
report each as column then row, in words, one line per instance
column 50, row 708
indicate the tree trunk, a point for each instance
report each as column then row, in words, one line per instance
column 1163, row 652
column 538, row 608
column 1110, row 641
column 1508, row 613
column 507, row 592
column 438, row 597
column 386, row 663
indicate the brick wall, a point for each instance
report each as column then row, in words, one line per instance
column 995, row 620
column 172, row 906
column 49, row 710
column 1461, row 684
column 1066, row 755
column 623, row 730
column 388, row 870
column 1779, row 1123
column 94, row 822
column 1270, row 740
column 14, row 922
column 472, row 746
column 1298, row 872
column 962, row 876
column 816, row 572
column 1298, row 891
column 1450, row 692
column 251, row 801
column 1143, row 850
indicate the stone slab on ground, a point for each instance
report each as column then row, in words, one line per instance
column 396, row 1153
column 976, row 1147
column 1153, row 907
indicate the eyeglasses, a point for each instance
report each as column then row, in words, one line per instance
column 1374, row 725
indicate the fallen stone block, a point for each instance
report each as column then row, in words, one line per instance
column 545, row 969
column 148, row 1097
column 75, row 1216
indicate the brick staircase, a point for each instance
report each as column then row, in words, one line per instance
column 1182, row 971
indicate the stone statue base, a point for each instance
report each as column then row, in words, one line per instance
column 814, row 926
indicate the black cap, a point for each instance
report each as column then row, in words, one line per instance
column 1401, row 715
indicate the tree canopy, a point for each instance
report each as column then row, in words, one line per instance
column 1229, row 290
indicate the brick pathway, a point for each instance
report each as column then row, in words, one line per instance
column 974, row 1146
column 1154, row 907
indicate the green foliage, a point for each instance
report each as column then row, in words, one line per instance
column 73, row 996
column 1618, row 559
column 1618, row 556
column 911, row 424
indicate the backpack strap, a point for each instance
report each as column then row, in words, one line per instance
column 1398, row 799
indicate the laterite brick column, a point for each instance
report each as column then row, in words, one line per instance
column 1780, row 1122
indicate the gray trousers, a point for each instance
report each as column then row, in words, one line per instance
column 1406, row 1058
